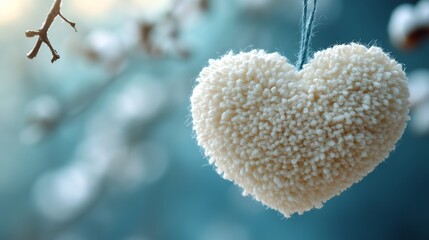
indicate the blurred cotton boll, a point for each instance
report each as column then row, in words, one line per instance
column 146, row 164
column 105, row 47
column 98, row 151
column 409, row 24
column 107, row 154
column 62, row 194
column 420, row 119
column 156, row 27
column 418, row 82
column 43, row 114
column 401, row 24
column 140, row 101
column 58, row 195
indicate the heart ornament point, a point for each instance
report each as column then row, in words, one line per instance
column 294, row 139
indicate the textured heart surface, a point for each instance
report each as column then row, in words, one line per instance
column 294, row 139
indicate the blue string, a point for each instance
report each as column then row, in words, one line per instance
column 303, row 19
column 306, row 34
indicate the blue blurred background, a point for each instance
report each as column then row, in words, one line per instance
column 99, row 144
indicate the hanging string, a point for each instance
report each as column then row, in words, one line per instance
column 306, row 34
column 303, row 26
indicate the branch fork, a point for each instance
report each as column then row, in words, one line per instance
column 42, row 33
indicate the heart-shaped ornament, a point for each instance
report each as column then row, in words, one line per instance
column 294, row 139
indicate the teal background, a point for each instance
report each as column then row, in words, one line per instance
column 189, row 200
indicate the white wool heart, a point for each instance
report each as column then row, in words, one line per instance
column 294, row 139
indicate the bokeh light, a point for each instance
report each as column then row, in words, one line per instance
column 92, row 9
column 11, row 10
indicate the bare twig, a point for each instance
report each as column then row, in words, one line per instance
column 43, row 31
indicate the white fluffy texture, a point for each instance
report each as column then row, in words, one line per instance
column 294, row 139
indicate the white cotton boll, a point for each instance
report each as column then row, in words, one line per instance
column 294, row 139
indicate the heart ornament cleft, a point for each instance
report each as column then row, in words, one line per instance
column 294, row 139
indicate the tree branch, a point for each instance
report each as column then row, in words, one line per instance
column 43, row 32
